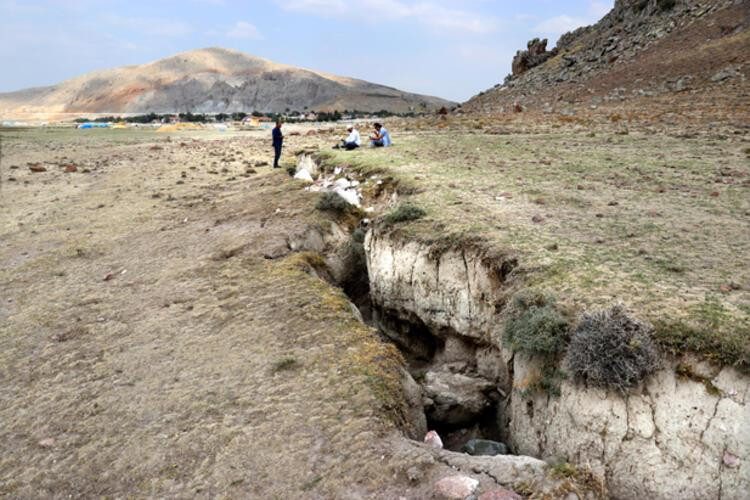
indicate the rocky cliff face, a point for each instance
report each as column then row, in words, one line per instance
column 210, row 81
column 642, row 48
column 682, row 434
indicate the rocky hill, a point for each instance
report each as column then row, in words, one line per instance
column 687, row 52
column 210, row 80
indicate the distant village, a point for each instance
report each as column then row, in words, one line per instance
column 253, row 119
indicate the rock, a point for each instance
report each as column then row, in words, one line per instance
column 304, row 175
column 47, row 442
column 458, row 487
column 484, row 447
column 535, row 54
column 500, row 494
column 731, row 461
column 725, row 74
column 69, row 169
column 457, row 399
column 414, row 406
column 37, row 168
column 433, row 440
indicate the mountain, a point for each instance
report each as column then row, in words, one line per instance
column 211, row 80
column 686, row 54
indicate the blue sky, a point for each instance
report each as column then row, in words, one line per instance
column 445, row 48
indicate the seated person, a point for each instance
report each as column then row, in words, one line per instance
column 352, row 142
column 381, row 139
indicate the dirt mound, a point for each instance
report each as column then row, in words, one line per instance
column 682, row 50
column 212, row 80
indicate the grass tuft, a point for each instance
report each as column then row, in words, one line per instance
column 537, row 327
column 403, row 213
column 284, row 364
column 332, row 202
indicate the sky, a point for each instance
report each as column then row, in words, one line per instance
column 445, row 48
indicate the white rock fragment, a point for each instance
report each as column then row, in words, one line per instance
column 458, row 487
column 433, row 440
column 349, row 195
column 304, row 175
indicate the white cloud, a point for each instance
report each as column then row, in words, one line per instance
column 429, row 13
column 149, row 26
column 243, row 29
column 556, row 26
column 559, row 24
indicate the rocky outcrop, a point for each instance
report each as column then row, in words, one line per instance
column 674, row 436
column 535, row 54
column 641, row 48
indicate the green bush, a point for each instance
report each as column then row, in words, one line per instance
column 609, row 349
column 403, row 213
column 536, row 327
column 332, row 202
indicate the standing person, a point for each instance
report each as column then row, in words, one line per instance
column 381, row 139
column 352, row 142
column 278, row 142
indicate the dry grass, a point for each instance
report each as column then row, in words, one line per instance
column 171, row 346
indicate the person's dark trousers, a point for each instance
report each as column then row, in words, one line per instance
column 379, row 143
column 277, row 156
column 350, row 146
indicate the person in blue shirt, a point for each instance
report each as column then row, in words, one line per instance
column 381, row 139
column 278, row 142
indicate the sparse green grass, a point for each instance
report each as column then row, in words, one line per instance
column 650, row 220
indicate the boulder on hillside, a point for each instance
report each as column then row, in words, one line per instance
column 535, row 54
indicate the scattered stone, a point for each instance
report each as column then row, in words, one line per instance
column 537, row 219
column 70, row 168
column 500, row 494
column 458, row 487
column 433, row 440
column 47, row 442
column 725, row 74
column 484, row 447
column 109, row 277
column 730, row 460
column 37, row 167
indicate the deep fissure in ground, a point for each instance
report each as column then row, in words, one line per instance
column 459, row 404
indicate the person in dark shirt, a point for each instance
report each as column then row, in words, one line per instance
column 278, row 142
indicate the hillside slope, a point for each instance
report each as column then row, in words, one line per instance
column 210, row 80
column 673, row 52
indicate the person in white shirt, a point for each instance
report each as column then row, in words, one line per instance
column 353, row 141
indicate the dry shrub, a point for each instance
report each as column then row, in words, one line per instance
column 612, row 350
